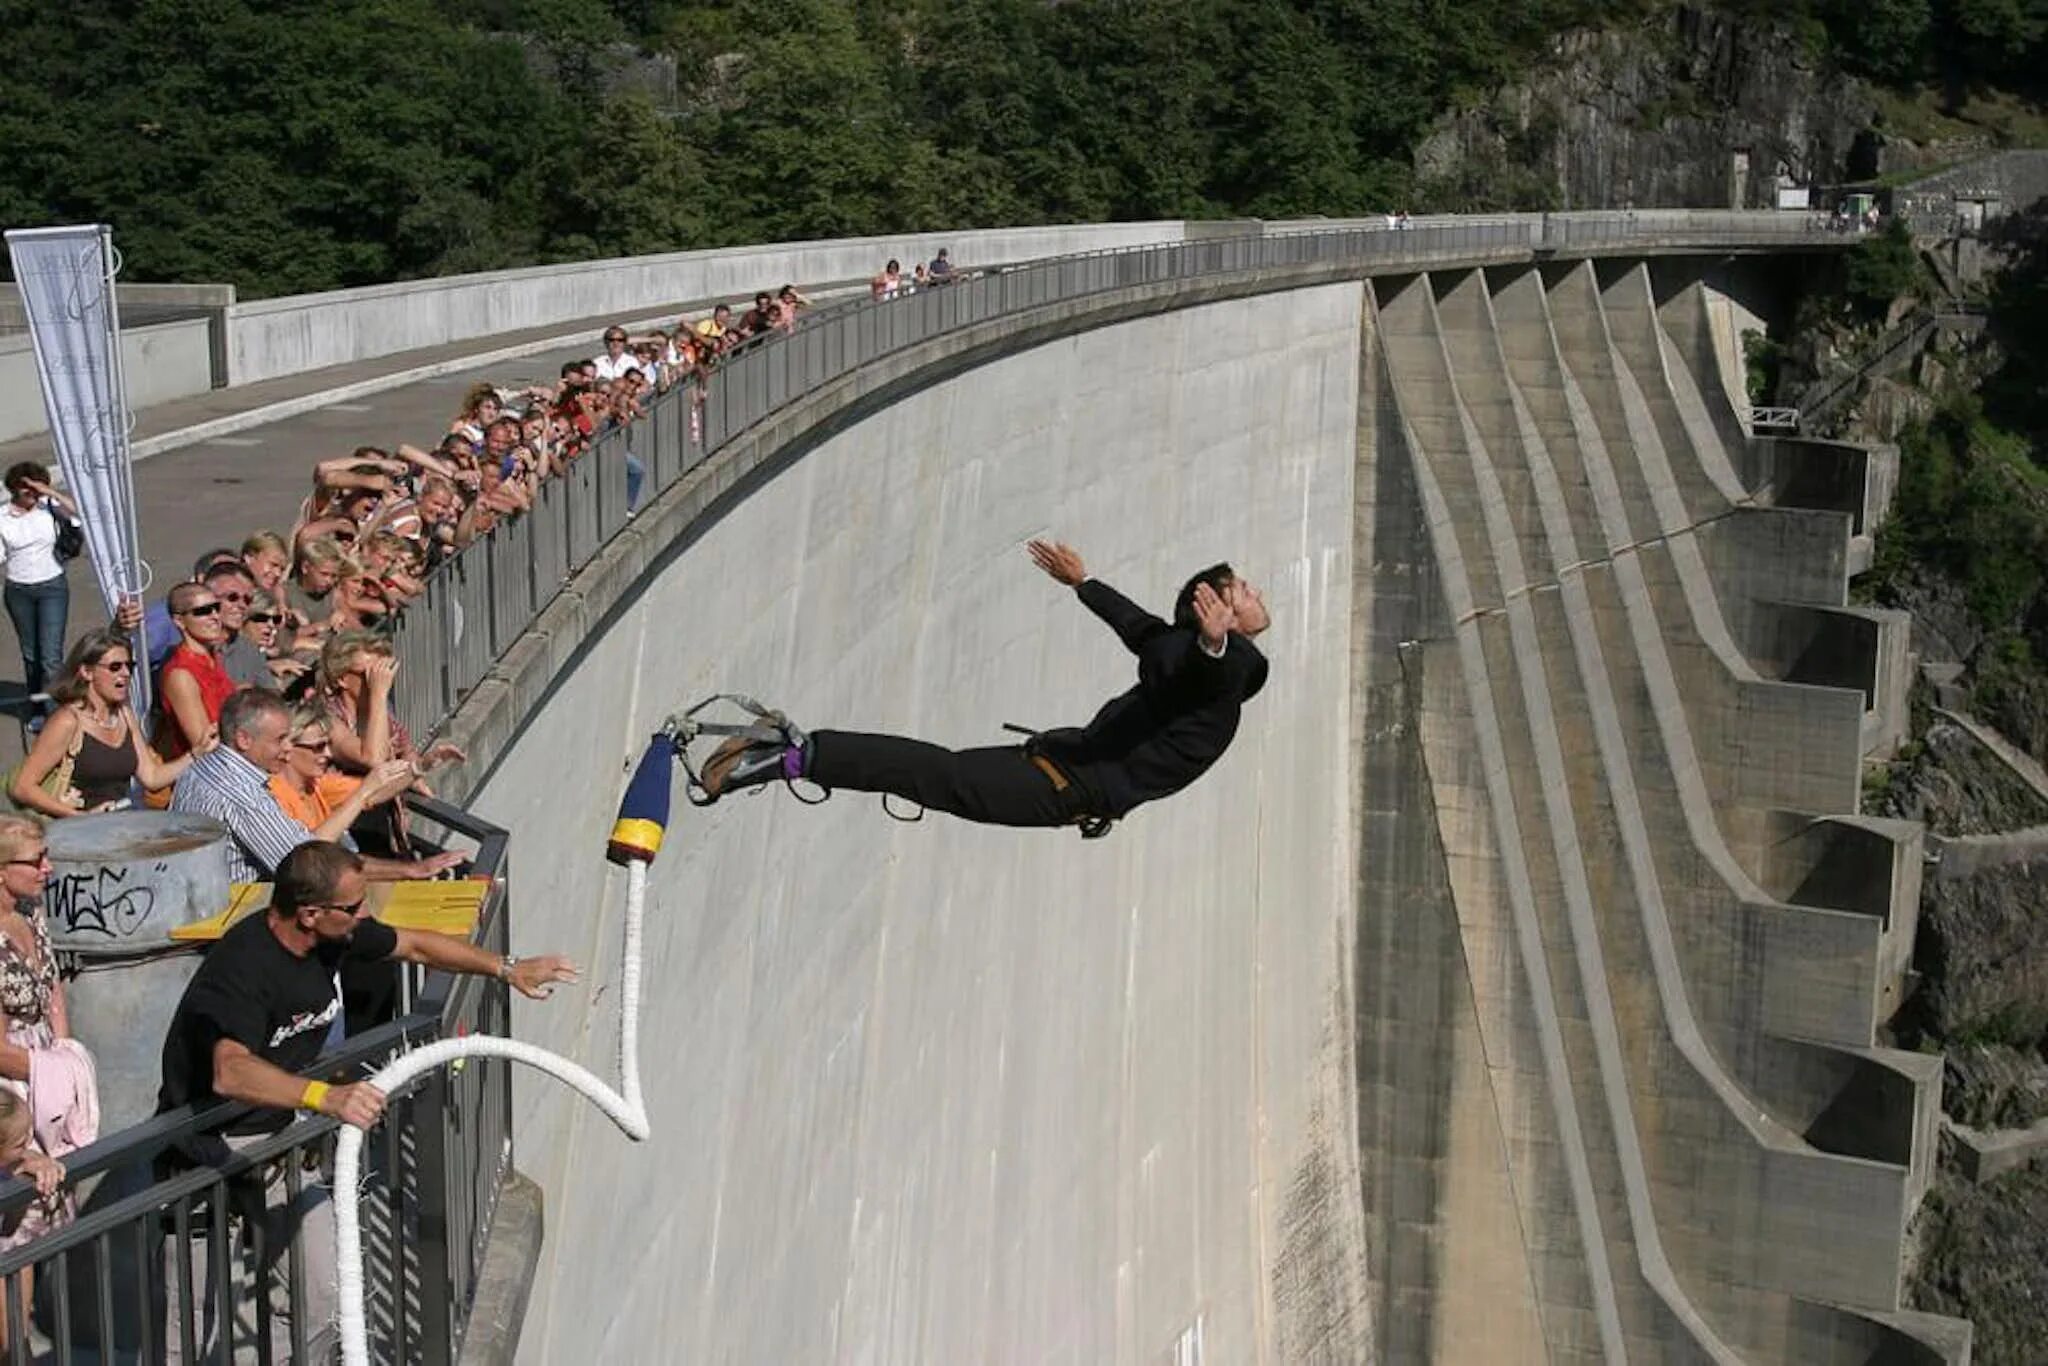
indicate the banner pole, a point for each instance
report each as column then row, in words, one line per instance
column 133, row 572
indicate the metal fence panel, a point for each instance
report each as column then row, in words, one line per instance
column 581, row 488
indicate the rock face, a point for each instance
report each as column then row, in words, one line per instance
column 1981, row 1257
column 1994, row 1086
column 1984, row 957
column 1957, row 788
column 1695, row 110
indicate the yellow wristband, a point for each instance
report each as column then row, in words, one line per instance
column 314, row 1096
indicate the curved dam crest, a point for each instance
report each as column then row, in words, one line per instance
column 934, row 1092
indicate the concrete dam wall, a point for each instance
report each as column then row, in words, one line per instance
column 1509, row 992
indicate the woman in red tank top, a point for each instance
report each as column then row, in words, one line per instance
column 193, row 684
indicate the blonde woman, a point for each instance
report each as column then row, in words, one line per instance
column 313, row 794
column 355, row 679
column 94, row 725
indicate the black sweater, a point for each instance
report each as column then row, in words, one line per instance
column 1155, row 739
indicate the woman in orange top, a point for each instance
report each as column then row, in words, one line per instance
column 313, row 794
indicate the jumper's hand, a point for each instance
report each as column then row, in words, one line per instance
column 1214, row 616
column 1060, row 560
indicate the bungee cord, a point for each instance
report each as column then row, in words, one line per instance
column 636, row 838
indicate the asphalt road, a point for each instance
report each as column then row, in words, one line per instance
column 217, row 492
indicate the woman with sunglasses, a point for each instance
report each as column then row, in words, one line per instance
column 193, row 683
column 312, row 793
column 95, row 726
column 262, row 627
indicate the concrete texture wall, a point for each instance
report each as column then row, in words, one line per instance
column 162, row 361
column 932, row 1092
column 286, row 336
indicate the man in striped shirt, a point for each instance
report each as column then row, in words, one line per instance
column 232, row 784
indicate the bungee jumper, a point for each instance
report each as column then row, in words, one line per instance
column 1195, row 674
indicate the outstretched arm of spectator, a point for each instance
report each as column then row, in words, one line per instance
column 155, row 772
column 531, row 977
column 413, row 455
column 385, row 782
column 343, row 472
column 240, row 1075
column 321, row 526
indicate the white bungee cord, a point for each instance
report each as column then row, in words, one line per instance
column 635, row 839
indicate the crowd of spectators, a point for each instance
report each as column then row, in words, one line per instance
column 273, row 675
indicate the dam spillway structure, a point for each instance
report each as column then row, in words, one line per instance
column 1513, row 990
column 1651, row 952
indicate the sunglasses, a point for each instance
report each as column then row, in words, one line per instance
column 116, row 666
column 233, row 597
column 352, row 908
column 204, row 609
column 38, row 861
column 314, row 746
column 264, row 618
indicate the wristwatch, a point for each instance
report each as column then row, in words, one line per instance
column 505, row 968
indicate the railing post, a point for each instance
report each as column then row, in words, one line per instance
column 437, row 1271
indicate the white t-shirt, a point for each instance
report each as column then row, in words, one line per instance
column 609, row 369
column 28, row 544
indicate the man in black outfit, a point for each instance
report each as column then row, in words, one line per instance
column 1194, row 676
column 253, row 1020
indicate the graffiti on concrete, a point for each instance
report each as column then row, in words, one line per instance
column 100, row 902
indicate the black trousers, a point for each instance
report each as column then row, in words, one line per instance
column 999, row 785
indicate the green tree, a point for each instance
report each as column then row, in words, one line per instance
column 636, row 189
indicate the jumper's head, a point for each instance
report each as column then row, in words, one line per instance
column 1245, row 601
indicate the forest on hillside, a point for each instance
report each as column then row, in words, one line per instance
column 290, row 145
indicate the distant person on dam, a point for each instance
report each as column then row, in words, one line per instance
column 1194, row 676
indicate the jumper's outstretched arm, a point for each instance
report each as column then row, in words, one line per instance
column 1133, row 624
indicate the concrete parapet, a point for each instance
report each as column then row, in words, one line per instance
column 285, row 336
column 163, row 361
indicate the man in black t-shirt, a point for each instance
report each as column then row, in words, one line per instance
column 255, row 1017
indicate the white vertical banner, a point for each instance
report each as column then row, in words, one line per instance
column 66, row 277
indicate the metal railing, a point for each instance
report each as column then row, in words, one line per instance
column 165, row 1251
column 476, row 606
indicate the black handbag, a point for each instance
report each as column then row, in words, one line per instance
column 70, row 535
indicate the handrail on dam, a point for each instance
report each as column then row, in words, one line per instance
column 477, row 605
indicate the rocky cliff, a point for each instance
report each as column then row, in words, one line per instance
column 1693, row 109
